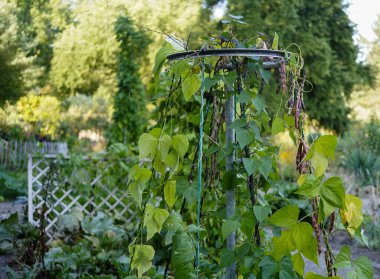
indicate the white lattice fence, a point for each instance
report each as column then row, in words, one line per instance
column 61, row 199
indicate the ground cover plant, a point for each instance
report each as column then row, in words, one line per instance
column 180, row 184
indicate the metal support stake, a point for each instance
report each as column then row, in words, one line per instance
column 230, row 194
column 30, row 189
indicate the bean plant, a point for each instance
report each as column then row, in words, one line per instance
column 273, row 236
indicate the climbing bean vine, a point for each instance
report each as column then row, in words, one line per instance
column 273, row 236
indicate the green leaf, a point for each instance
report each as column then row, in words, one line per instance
column 326, row 145
column 289, row 120
column 161, row 56
column 228, row 180
column 187, row 190
column 244, row 97
column 301, row 234
column 343, row 260
column 209, row 82
column 181, row 68
column 333, row 192
column 154, row 219
column 268, row 266
column 248, row 222
column 228, row 227
column 277, row 126
column 261, row 212
column 160, row 59
column 258, row 103
column 298, row 263
column 142, row 258
column 325, row 209
column 248, row 165
column 139, row 174
column 286, row 268
column 364, row 267
column 173, row 222
column 311, row 251
column 190, row 86
column 164, row 144
column 169, row 193
column 282, row 245
column 147, row 146
column 319, row 163
column 183, row 256
column 275, row 42
column 312, row 275
column 352, row 215
column 227, row 258
column 230, row 78
column 285, row 217
column 249, row 262
column 181, row 144
column 266, row 75
column 238, row 123
column 309, row 185
column 264, row 165
column 136, row 189
column 158, row 164
column 244, row 137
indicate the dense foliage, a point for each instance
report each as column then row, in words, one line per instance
column 129, row 117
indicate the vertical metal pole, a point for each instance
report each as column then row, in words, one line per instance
column 30, row 189
column 230, row 194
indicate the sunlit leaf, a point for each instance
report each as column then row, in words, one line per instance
column 190, row 86
column 277, row 126
column 285, row 217
column 142, row 258
column 181, row 144
column 147, row 146
column 154, row 219
column 352, row 215
column 169, row 193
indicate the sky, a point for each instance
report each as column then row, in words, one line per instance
column 364, row 13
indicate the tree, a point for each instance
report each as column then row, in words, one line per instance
column 12, row 60
column 129, row 118
column 85, row 53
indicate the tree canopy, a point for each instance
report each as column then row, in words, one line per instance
column 70, row 50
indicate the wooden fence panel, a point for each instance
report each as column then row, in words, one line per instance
column 14, row 154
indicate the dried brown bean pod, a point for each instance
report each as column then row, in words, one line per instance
column 314, row 222
column 331, row 223
column 282, row 71
column 297, row 112
column 299, row 158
